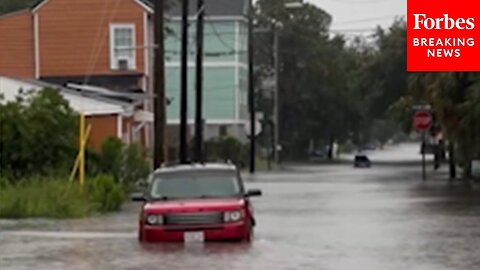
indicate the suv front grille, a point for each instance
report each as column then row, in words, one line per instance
column 201, row 218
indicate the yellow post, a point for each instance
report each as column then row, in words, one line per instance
column 77, row 159
column 81, row 168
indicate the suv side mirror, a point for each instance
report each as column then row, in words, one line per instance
column 253, row 193
column 138, row 197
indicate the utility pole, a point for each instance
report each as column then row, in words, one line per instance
column 184, row 85
column 251, row 87
column 276, row 104
column 159, row 103
column 199, row 84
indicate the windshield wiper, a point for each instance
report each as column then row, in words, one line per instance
column 162, row 198
column 216, row 196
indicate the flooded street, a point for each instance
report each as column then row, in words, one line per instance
column 310, row 217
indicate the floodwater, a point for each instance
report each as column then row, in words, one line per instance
column 310, row 217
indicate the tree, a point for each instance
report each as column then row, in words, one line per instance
column 381, row 81
column 455, row 100
column 316, row 99
column 39, row 134
column 7, row 6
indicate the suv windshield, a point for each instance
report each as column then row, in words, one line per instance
column 194, row 185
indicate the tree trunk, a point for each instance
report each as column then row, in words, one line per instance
column 451, row 161
column 467, row 174
column 330, row 149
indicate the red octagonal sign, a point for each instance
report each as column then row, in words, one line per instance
column 422, row 120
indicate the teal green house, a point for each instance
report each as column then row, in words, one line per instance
column 225, row 67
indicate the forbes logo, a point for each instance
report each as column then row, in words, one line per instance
column 443, row 23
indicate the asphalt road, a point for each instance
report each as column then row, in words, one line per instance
column 310, row 217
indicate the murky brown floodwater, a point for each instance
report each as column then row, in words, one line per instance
column 327, row 217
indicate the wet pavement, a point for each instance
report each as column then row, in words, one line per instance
column 310, row 217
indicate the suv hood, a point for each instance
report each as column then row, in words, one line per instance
column 194, row 205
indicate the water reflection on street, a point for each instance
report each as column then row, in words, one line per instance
column 310, row 217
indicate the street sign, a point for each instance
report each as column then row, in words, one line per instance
column 422, row 121
column 258, row 128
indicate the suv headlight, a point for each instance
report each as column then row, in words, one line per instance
column 233, row 216
column 154, row 220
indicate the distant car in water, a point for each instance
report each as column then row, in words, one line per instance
column 198, row 202
column 362, row 161
column 318, row 155
column 371, row 146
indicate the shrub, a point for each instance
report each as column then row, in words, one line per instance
column 92, row 163
column 105, row 193
column 134, row 166
column 43, row 197
column 4, row 182
column 124, row 162
column 55, row 197
column 39, row 135
column 347, row 147
column 227, row 148
column 111, row 157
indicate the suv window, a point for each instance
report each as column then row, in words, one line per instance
column 361, row 159
column 195, row 185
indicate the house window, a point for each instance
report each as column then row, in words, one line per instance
column 122, row 47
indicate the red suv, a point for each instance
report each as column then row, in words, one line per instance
column 199, row 202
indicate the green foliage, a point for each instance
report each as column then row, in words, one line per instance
column 3, row 182
column 455, row 98
column 318, row 100
column 111, row 157
column 330, row 89
column 55, row 197
column 387, row 71
column 227, row 148
column 14, row 5
column 39, row 134
column 105, row 193
column 347, row 147
column 43, row 197
column 134, row 166
column 401, row 112
column 125, row 163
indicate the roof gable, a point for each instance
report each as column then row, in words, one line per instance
column 142, row 3
column 212, row 8
column 14, row 13
column 90, row 105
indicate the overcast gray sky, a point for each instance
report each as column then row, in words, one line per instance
column 359, row 16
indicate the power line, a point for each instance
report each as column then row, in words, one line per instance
column 372, row 19
column 209, row 54
column 94, row 56
column 219, row 36
column 358, row 30
column 360, row 2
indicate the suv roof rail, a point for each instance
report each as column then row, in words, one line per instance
column 174, row 163
column 203, row 163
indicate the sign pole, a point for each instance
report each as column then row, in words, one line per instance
column 422, row 122
column 424, row 173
